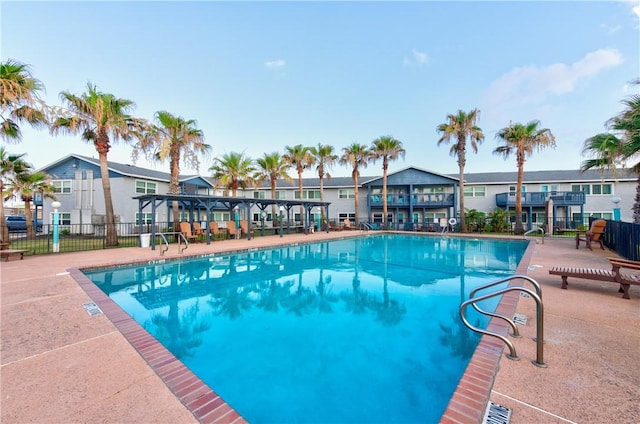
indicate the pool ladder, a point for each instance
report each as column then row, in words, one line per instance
column 535, row 230
column 536, row 295
column 166, row 242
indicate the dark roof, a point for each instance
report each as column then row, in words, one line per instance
column 547, row 176
column 126, row 169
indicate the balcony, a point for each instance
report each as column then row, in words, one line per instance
column 560, row 198
column 443, row 200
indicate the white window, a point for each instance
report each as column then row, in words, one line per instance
column 64, row 218
column 350, row 216
column 221, row 216
column 146, row 218
column 601, row 189
column 512, row 189
column 281, row 195
column 581, row 187
column 308, row 194
column 546, row 188
column 259, row 195
column 347, row 193
column 146, row 187
column 475, row 191
column 61, row 186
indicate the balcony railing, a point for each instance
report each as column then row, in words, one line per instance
column 560, row 198
column 397, row 200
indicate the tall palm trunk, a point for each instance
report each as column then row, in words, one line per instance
column 174, row 186
column 28, row 214
column 273, row 196
column 110, row 223
column 322, row 200
column 357, row 198
column 462, row 161
column 300, row 189
column 519, row 228
column 385, row 214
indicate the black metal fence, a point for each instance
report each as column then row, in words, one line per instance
column 621, row 237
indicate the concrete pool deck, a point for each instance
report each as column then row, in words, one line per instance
column 59, row 364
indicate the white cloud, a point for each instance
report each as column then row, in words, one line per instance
column 275, row 64
column 417, row 58
column 534, row 84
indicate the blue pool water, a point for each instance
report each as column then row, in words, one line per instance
column 345, row 331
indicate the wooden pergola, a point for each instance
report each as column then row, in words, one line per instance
column 193, row 202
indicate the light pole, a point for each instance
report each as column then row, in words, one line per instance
column 56, row 229
column 281, row 216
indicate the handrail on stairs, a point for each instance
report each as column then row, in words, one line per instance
column 539, row 361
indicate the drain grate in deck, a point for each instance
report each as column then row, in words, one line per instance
column 520, row 319
column 92, row 309
column 496, row 414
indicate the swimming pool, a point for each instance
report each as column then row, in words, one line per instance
column 354, row 330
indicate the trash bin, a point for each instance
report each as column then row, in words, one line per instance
column 145, row 240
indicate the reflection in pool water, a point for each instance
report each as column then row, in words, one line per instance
column 350, row 331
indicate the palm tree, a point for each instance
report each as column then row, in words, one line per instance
column 459, row 128
column 175, row 138
column 10, row 164
column 300, row 158
column 19, row 100
column 387, row 148
column 522, row 140
column 100, row 118
column 232, row 171
column 25, row 184
column 272, row 166
column 610, row 150
column 357, row 156
column 324, row 158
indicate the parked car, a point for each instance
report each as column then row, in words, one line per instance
column 18, row 223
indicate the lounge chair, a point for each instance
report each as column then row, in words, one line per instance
column 232, row 230
column 198, row 231
column 614, row 275
column 185, row 229
column 334, row 227
column 244, row 226
column 594, row 234
column 215, row 231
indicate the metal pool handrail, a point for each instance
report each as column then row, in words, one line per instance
column 166, row 242
column 514, row 327
column 539, row 362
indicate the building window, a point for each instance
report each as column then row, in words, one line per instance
column 512, row 189
column 64, row 218
column 350, row 216
column 220, row 216
column 281, row 195
column 259, row 195
column 581, row 187
column 601, row 189
column 146, row 187
column 475, row 191
column 546, row 188
column 347, row 193
column 307, row 194
column 61, row 186
column 146, row 218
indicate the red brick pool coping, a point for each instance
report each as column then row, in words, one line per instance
column 204, row 403
column 467, row 405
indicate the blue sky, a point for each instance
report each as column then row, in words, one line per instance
column 258, row 76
